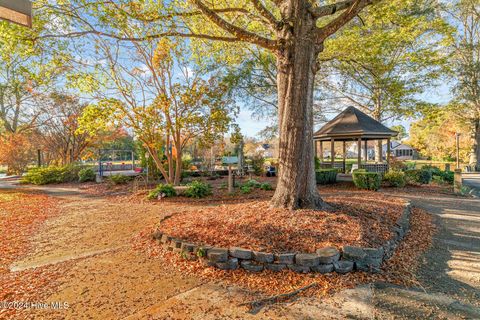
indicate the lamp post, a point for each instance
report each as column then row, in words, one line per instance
column 16, row 11
column 457, row 142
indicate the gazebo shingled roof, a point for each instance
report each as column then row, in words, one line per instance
column 352, row 124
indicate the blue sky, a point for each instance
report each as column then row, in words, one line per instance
column 251, row 127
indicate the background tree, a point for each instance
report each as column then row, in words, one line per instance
column 402, row 132
column 465, row 16
column 433, row 135
column 161, row 98
column 384, row 62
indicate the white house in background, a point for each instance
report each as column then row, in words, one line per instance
column 398, row 150
column 403, row 151
column 265, row 150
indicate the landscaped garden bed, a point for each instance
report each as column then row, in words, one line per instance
column 357, row 233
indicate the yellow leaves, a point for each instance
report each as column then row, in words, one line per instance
column 162, row 54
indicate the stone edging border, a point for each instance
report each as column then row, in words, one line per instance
column 325, row 260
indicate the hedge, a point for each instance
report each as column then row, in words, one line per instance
column 366, row 180
column 326, row 176
column 52, row 174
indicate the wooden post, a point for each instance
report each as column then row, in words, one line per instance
column 315, row 147
column 457, row 143
column 39, row 158
column 230, row 179
column 321, row 151
column 365, row 153
column 388, row 151
column 359, row 153
column 332, row 152
column 344, row 157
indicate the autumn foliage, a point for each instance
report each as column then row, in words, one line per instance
column 16, row 152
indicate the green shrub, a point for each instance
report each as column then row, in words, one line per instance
column 119, row 179
column 52, row 174
column 252, row 183
column 395, row 178
column 198, row 189
column 246, row 188
column 266, row 186
column 86, row 174
column 326, row 176
column 366, row 180
column 422, row 176
column 164, row 190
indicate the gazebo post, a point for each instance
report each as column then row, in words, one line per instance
column 344, row 157
column 315, row 143
column 359, row 153
column 321, row 151
column 332, row 152
column 388, row 152
column 365, row 153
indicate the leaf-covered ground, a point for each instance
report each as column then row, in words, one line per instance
column 360, row 218
column 21, row 215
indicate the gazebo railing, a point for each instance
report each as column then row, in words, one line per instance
column 370, row 167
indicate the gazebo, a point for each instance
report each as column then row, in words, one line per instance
column 353, row 125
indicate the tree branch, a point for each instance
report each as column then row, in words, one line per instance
column 266, row 13
column 341, row 20
column 238, row 32
column 148, row 37
column 330, row 9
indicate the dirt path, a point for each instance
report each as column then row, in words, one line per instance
column 103, row 277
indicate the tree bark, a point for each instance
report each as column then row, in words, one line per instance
column 296, row 65
column 475, row 152
column 378, row 151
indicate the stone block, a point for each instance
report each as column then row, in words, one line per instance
column 328, row 255
column 240, row 253
column 286, row 258
column 263, row 257
column 374, row 252
column 187, row 247
column 230, row 264
column 251, row 266
column 353, row 253
column 298, row 268
column 275, row 266
column 343, row 266
column 323, row 268
column 217, row 255
column 307, row 259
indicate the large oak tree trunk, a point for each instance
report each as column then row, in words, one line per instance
column 378, row 151
column 296, row 65
column 475, row 153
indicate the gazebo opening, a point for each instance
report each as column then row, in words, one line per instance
column 352, row 125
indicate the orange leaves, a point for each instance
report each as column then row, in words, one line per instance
column 21, row 215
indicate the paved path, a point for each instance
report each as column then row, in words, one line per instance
column 451, row 275
column 471, row 180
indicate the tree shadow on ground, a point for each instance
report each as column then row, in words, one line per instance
column 450, row 272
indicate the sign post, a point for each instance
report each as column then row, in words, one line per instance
column 17, row 11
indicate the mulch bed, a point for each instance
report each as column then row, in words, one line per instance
column 361, row 218
column 400, row 269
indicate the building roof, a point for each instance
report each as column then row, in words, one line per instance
column 352, row 124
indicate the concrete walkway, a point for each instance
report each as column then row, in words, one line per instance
column 451, row 274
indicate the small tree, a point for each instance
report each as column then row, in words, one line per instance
column 162, row 100
column 16, row 152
